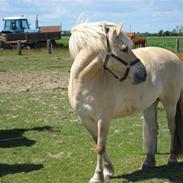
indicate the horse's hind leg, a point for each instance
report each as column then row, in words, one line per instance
column 150, row 128
column 92, row 128
column 171, row 112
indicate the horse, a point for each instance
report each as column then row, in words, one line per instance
column 109, row 79
column 131, row 35
column 137, row 40
column 181, row 58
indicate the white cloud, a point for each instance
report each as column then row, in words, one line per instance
column 57, row 12
column 165, row 13
column 157, row 12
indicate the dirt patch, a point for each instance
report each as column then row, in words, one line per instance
column 25, row 82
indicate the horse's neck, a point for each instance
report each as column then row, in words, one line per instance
column 86, row 65
column 85, row 69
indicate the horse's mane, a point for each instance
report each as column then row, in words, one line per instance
column 92, row 36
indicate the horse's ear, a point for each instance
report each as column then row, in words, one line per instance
column 116, row 31
column 119, row 29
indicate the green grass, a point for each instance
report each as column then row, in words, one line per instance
column 165, row 42
column 42, row 140
column 51, row 145
column 35, row 61
column 64, row 42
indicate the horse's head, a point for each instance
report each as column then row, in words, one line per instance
column 113, row 45
column 120, row 59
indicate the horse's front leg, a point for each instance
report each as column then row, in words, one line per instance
column 108, row 167
column 150, row 128
column 103, row 126
column 92, row 128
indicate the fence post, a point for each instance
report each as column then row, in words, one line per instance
column 177, row 45
column 19, row 50
column 49, row 46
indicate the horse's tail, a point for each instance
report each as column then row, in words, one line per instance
column 178, row 136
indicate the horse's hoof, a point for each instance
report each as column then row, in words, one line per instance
column 172, row 160
column 108, row 174
column 97, row 178
column 172, row 163
column 147, row 165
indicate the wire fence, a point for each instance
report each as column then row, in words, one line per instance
column 172, row 43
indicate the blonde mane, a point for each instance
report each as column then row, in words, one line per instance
column 92, row 36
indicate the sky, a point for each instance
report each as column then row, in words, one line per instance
column 135, row 15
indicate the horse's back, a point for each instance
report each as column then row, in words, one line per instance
column 165, row 69
column 159, row 59
column 156, row 53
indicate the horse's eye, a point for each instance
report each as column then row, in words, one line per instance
column 124, row 48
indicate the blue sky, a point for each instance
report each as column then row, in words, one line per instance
column 142, row 15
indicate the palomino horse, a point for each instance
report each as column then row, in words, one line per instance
column 109, row 80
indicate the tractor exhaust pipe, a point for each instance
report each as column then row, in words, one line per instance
column 37, row 22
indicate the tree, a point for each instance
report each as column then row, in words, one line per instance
column 178, row 29
column 160, row 33
column 166, row 33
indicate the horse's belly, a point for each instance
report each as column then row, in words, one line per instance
column 134, row 104
column 126, row 110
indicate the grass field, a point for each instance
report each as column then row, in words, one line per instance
column 42, row 140
column 165, row 42
column 64, row 42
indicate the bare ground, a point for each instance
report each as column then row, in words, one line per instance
column 25, row 82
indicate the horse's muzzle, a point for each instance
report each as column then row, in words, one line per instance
column 140, row 75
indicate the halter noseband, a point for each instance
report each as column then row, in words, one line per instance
column 110, row 54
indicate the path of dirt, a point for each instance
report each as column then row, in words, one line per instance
column 25, row 82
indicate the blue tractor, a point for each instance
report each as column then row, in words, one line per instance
column 17, row 25
column 17, row 29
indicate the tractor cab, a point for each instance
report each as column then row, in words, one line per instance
column 16, row 25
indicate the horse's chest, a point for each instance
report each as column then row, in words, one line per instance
column 85, row 104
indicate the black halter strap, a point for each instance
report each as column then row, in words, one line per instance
column 110, row 54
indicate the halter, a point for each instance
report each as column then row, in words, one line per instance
column 110, row 54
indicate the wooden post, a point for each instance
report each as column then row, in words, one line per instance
column 19, row 50
column 49, row 46
column 177, row 45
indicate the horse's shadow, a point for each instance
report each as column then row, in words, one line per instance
column 10, row 138
column 15, row 137
column 173, row 173
column 6, row 169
